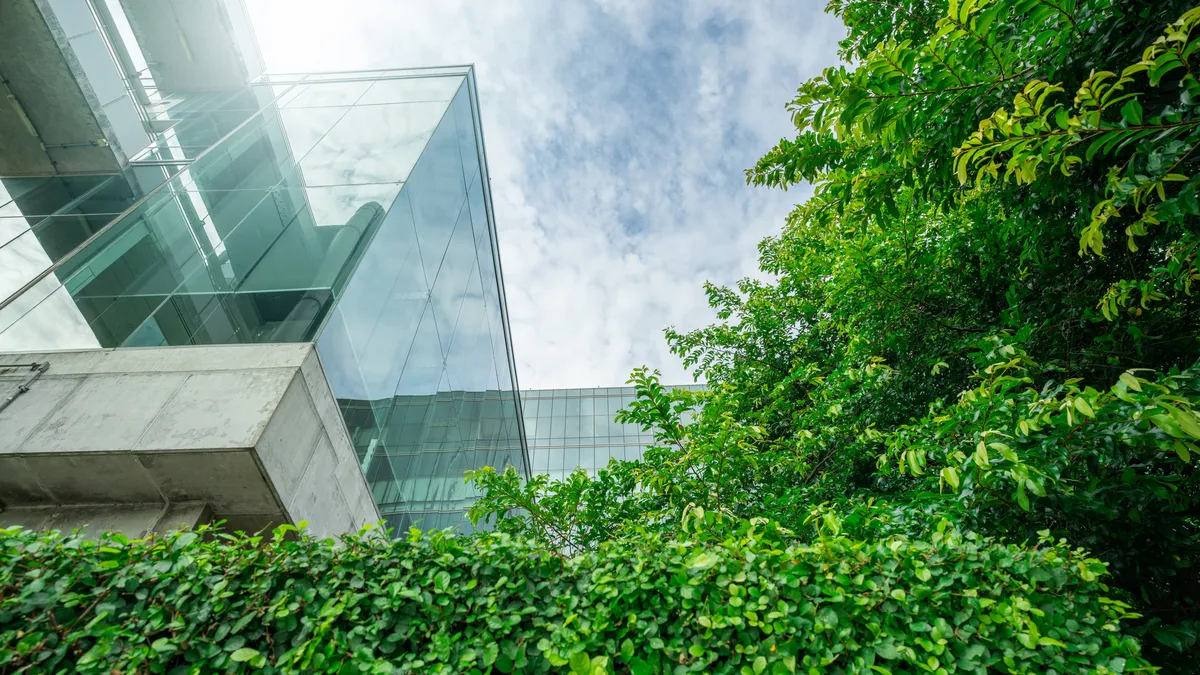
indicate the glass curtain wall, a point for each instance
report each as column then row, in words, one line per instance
column 347, row 209
column 575, row 428
column 417, row 348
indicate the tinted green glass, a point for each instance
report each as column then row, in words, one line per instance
column 354, row 213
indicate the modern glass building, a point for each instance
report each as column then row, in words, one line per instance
column 575, row 428
column 351, row 210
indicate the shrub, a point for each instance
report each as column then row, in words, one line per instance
column 740, row 599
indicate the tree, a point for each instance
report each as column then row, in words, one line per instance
column 985, row 312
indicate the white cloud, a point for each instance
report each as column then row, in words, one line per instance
column 617, row 134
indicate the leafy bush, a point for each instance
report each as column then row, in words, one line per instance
column 986, row 310
column 722, row 598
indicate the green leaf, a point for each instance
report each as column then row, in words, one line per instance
column 760, row 664
column 490, row 652
column 163, row 645
column 1083, row 407
column 1050, row 642
column 702, row 560
column 183, row 540
column 581, row 663
column 627, row 650
column 1022, row 498
column 244, row 654
column 1185, row 419
column 981, row 455
column 914, row 464
column 1130, row 381
column 887, row 650
column 441, row 581
column 1131, row 112
column 1005, row 452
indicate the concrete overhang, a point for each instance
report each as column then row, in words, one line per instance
column 250, row 432
column 51, row 117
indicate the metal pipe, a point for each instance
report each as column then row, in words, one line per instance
column 38, row 369
column 98, row 143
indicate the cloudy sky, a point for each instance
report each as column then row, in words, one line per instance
column 617, row 134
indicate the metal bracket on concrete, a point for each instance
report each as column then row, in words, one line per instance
column 38, row 368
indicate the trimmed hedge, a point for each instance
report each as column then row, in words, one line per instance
column 434, row 603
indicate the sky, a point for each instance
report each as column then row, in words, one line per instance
column 618, row 133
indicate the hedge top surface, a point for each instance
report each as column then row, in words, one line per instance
column 747, row 601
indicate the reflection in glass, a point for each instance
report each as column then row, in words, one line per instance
column 575, row 428
column 354, row 214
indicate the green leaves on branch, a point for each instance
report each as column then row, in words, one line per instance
column 1147, row 120
column 1007, row 439
column 925, row 338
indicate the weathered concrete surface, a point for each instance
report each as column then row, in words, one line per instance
column 133, row 520
column 63, row 105
column 251, row 431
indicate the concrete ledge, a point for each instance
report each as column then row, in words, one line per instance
column 133, row 520
column 252, row 431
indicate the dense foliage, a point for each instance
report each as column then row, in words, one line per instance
column 748, row 600
column 966, row 391
column 985, row 312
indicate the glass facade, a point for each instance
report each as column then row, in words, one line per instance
column 348, row 209
column 575, row 428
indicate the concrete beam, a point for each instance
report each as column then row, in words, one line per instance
column 253, row 431
column 133, row 520
column 63, row 105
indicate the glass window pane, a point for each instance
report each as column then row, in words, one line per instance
column 11, row 228
column 44, row 317
column 438, row 194
column 328, row 94
column 411, row 90
column 570, row 458
column 12, row 188
column 44, row 196
column 453, row 275
column 300, row 129
column 422, row 370
column 586, row 428
column 337, row 205
column 470, row 357
column 540, row 458
column 378, row 144
column 21, row 260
